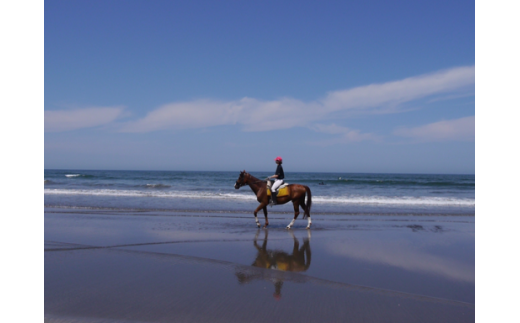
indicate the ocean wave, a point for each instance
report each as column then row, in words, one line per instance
column 78, row 175
column 389, row 182
column 397, row 200
column 136, row 193
column 157, row 186
column 354, row 200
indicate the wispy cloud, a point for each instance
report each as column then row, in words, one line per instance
column 346, row 135
column 393, row 93
column 65, row 120
column 258, row 115
column 462, row 129
column 252, row 114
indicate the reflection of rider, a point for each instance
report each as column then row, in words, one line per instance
column 278, row 176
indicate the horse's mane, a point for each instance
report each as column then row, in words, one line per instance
column 255, row 180
column 252, row 177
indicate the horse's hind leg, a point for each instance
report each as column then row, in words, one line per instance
column 302, row 204
column 296, row 213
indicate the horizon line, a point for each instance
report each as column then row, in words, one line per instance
column 257, row 171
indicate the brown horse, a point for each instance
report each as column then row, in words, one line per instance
column 296, row 196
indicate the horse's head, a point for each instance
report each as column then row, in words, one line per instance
column 242, row 179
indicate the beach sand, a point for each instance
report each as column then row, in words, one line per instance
column 129, row 266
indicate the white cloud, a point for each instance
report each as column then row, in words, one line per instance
column 252, row 114
column 65, row 120
column 195, row 114
column 279, row 114
column 346, row 134
column 462, row 129
column 396, row 92
column 257, row 115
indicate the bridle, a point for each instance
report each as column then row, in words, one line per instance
column 240, row 184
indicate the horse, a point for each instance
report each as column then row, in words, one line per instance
column 296, row 194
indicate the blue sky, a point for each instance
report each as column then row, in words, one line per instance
column 341, row 86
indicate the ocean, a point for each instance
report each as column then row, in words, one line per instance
column 332, row 193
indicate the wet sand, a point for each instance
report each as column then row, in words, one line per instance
column 112, row 266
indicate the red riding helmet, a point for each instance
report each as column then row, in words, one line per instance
column 278, row 158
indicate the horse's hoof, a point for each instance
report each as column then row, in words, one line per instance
column 287, row 227
column 308, row 228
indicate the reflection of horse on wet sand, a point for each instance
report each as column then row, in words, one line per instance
column 278, row 261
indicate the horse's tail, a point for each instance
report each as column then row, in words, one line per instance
column 309, row 203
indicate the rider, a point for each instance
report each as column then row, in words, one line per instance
column 278, row 176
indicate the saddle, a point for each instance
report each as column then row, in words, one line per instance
column 282, row 190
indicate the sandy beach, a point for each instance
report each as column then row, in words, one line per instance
column 124, row 266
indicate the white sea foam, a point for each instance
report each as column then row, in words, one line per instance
column 358, row 200
column 72, row 175
column 135, row 193
column 396, row 200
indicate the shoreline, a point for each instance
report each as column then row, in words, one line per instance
column 52, row 208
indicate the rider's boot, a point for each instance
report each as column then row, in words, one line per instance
column 273, row 197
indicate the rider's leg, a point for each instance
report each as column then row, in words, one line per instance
column 274, row 189
column 273, row 197
column 277, row 183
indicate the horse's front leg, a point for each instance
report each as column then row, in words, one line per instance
column 266, row 220
column 256, row 217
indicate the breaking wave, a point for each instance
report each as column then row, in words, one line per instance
column 78, row 175
column 354, row 200
column 157, row 186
